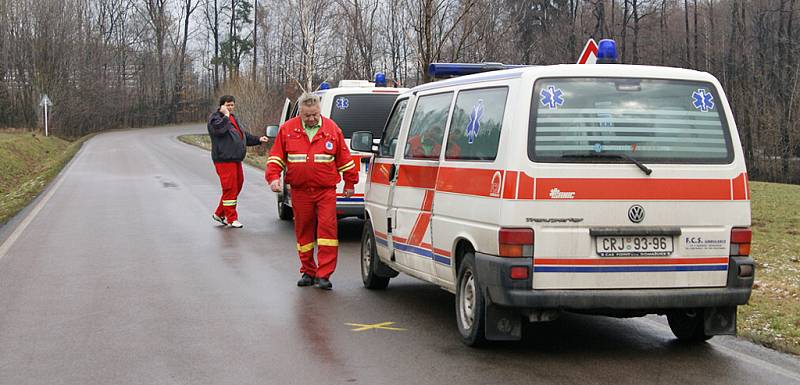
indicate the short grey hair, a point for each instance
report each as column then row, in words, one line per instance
column 309, row 99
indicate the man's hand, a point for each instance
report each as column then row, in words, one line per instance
column 224, row 110
column 263, row 139
column 349, row 192
column 276, row 185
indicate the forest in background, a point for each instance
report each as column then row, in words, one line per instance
column 133, row 63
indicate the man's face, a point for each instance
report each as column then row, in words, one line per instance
column 309, row 114
column 229, row 106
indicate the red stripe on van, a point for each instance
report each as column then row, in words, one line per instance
column 628, row 189
column 739, row 189
column 629, row 261
column 379, row 173
column 466, row 181
column 525, row 186
column 442, row 252
column 510, row 185
column 417, row 176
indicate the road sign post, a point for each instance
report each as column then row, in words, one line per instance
column 45, row 103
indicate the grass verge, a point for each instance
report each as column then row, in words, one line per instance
column 29, row 162
column 772, row 317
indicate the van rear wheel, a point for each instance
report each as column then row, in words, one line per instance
column 688, row 325
column 370, row 260
column 470, row 304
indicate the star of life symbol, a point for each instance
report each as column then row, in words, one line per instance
column 342, row 103
column 474, row 124
column 552, row 97
column 329, row 146
column 703, row 100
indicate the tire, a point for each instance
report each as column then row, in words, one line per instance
column 370, row 260
column 470, row 304
column 285, row 211
column 688, row 325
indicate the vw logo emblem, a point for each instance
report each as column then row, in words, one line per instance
column 636, row 213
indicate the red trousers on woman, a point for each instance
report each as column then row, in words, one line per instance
column 231, row 177
column 315, row 224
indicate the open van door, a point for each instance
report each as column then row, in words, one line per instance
column 287, row 104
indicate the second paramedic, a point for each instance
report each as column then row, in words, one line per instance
column 311, row 150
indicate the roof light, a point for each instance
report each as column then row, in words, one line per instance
column 324, row 86
column 439, row 70
column 380, row 79
column 607, row 51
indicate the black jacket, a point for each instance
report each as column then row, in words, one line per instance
column 226, row 144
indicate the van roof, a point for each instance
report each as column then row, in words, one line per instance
column 571, row 70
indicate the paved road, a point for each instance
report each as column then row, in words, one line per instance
column 116, row 275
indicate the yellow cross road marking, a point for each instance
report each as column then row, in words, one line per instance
column 382, row 325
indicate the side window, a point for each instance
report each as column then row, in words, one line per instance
column 475, row 127
column 427, row 126
column 392, row 130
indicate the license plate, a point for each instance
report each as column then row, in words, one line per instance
column 633, row 245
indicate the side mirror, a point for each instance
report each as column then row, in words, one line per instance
column 361, row 141
column 272, row 131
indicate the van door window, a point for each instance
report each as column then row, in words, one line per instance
column 427, row 126
column 475, row 127
column 392, row 130
column 605, row 120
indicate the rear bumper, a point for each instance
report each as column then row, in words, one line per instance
column 349, row 209
column 494, row 277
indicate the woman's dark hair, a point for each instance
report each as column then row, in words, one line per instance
column 226, row 98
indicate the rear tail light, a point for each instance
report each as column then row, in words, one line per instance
column 515, row 243
column 740, row 241
column 519, row 272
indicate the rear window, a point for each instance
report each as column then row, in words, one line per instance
column 606, row 119
column 362, row 112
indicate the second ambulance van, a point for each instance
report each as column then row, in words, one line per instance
column 612, row 189
column 354, row 105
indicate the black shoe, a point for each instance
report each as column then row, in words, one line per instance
column 305, row 280
column 324, row 284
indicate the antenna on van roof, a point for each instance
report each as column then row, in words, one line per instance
column 444, row 70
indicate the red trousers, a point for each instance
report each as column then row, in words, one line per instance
column 231, row 177
column 315, row 224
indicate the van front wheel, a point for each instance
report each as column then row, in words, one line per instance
column 370, row 260
column 470, row 304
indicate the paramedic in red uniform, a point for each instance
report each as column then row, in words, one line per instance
column 311, row 150
column 228, row 142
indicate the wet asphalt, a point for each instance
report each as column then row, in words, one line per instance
column 117, row 275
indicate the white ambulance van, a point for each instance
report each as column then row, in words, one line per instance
column 355, row 105
column 616, row 190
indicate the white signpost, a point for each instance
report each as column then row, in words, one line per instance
column 45, row 103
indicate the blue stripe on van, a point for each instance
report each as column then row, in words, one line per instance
column 415, row 250
column 350, row 200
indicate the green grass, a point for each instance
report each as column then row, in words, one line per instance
column 29, row 162
column 772, row 317
column 256, row 155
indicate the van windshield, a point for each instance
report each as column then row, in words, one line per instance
column 653, row 121
column 362, row 112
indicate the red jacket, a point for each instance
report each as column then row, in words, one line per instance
column 314, row 164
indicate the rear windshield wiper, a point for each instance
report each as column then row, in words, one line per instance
column 607, row 155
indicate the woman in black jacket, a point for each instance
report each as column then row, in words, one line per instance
column 228, row 141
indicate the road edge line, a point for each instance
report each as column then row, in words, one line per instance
column 9, row 242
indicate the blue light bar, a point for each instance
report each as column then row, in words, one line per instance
column 607, row 51
column 380, row 79
column 439, row 70
column 324, row 86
